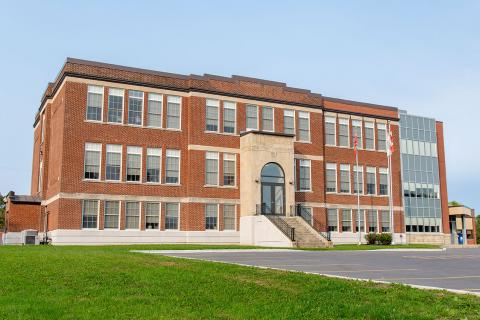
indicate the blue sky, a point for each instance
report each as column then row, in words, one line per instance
column 423, row 56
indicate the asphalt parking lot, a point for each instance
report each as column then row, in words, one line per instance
column 454, row 269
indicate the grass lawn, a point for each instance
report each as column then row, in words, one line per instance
column 110, row 282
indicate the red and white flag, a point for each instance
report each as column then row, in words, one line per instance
column 355, row 145
column 390, row 146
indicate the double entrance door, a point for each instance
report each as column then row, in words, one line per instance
column 273, row 198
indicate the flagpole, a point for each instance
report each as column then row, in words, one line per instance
column 390, row 188
column 358, row 193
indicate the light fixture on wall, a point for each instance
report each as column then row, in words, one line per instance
column 256, row 180
column 290, row 182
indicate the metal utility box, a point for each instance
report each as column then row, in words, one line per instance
column 30, row 237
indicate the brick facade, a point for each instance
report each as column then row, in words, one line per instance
column 66, row 131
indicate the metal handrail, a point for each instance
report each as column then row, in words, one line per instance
column 316, row 224
column 277, row 220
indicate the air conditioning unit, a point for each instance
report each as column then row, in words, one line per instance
column 30, row 237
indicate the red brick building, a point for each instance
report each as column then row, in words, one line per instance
column 125, row 155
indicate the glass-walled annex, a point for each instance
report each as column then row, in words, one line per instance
column 420, row 174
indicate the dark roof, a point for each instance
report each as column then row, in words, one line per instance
column 25, row 199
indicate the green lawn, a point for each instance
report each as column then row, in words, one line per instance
column 46, row 282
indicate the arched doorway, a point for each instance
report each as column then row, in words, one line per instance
column 273, row 189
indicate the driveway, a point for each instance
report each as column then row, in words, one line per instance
column 451, row 269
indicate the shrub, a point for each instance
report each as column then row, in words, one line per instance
column 371, row 238
column 384, row 239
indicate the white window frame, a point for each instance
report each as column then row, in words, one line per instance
column 174, row 153
column 345, row 167
column 328, row 220
column 371, row 125
column 273, row 118
column 215, row 104
column 159, row 216
column 156, row 152
column 139, row 215
column 382, row 126
column 358, row 169
column 304, row 115
column 292, row 112
column 135, row 150
column 96, row 90
column 234, row 216
column 143, row 109
column 174, row 99
column 98, row 213
column 43, row 129
column 232, row 157
column 246, row 117
column 89, row 146
column 119, row 213
column 331, row 166
column 218, row 216
column 232, row 106
column 380, row 172
column 152, row 96
column 117, row 93
column 179, row 206
column 351, row 219
column 332, row 120
column 344, row 121
column 374, row 171
column 358, row 124
column 300, row 161
column 209, row 155
column 114, row 148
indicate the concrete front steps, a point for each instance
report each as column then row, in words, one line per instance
column 305, row 235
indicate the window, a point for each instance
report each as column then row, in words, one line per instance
column 211, row 115
column 303, row 126
column 345, row 178
column 173, row 112
column 94, row 103
column 229, row 115
column 343, row 135
column 358, row 179
column 289, row 121
column 372, row 221
column 92, row 161
column 40, row 177
column 172, row 167
column 357, row 132
column 111, row 215
column 152, row 215
column 369, row 136
column 153, row 164
column 132, row 215
column 383, row 187
column 211, row 168
column 346, row 220
column 154, row 110
column 134, row 164
column 332, row 219
column 331, row 176
column 135, row 107
column 362, row 221
column 371, row 180
column 382, row 136
column 385, row 221
column 330, row 130
column 113, row 166
column 229, row 217
column 171, row 216
column 229, row 169
column 211, row 217
column 115, row 105
column 90, row 214
column 305, row 183
column 252, row 117
column 267, row 119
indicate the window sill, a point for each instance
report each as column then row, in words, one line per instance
column 171, row 184
column 222, row 133
column 303, row 141
column 219, row 186
column 132, row 125
column 305, row 191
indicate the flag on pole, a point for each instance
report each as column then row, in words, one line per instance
column 355, row 144
column 391, row 147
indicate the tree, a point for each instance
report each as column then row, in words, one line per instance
column 478, row 229
column 454, row 204
column 2, row 212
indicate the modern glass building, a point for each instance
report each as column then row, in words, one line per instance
column 420, row 174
